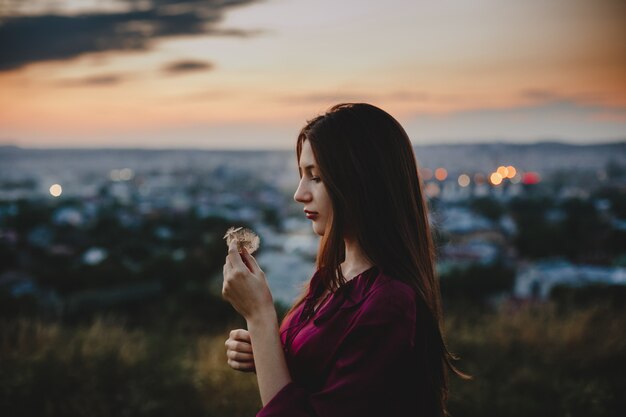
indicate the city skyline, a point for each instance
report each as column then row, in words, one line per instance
column 247, row 74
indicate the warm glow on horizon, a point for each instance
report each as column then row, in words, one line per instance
column 449, row 72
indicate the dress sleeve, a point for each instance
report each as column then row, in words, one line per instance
column 370, row 370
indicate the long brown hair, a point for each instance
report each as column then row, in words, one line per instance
column 367, row 164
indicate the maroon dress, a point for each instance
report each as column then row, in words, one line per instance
column 355, row 355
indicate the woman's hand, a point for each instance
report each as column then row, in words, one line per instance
column 245, row 286
column 239, row 351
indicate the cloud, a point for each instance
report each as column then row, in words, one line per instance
column 26, row 39
column 97, row 80
column 536, row 97
column 185, row 66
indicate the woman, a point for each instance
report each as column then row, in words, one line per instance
column 365, row 338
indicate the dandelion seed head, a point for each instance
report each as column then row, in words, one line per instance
column 244, row 237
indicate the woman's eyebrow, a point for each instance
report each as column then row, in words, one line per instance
column 309, row 166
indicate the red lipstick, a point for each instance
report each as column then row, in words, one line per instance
column 310, row 214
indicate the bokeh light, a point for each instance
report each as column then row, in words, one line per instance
column 432, row 190
column 126, row 174
column 531, row 177
column 441, row 174
column 56, row 190
column 503, row 171
column 479, row 178
column 495, row 178
column 511, row 171
column 426, row 173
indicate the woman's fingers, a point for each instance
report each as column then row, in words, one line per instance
column 247, row 291
column 240, row 334
column 238, row 346
column 234, row 257
column 239, row 356
column 239, row 351
column 250, row 262
column 241, row 366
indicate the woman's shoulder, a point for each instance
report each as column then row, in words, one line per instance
column 385, row 295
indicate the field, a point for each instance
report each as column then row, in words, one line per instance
column 526, row 360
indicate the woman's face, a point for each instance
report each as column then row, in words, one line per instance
column 312, row 192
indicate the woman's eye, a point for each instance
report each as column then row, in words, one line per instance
column 316, row 179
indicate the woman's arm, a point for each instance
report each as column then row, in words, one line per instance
column 246, row 288
column 271, row 366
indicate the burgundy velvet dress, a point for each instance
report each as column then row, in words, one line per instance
column 353, row 356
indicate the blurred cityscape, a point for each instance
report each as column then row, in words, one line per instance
column 83, row 228
column 111, row 265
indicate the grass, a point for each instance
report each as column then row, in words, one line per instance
column 105, row 369
column 540, row 361
column 535, row 360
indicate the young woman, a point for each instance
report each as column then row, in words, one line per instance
column 365, row 339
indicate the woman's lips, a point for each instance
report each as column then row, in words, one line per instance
column 310, row 214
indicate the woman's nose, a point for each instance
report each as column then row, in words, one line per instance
column 301, row 195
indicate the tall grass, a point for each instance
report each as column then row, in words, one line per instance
column 540, row 361
column 106, row 369
column 531, row 361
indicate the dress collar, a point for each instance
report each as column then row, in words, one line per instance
column 351, row 293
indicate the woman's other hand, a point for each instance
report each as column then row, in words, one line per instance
column 239, row 351
column 245, row 286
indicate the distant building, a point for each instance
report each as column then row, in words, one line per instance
column 94, row 256
column 20, row 284
column 459, row 220
column 472, row 252
column 537, row 279
column 71, row 216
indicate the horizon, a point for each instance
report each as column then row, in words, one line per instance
column 4, row 146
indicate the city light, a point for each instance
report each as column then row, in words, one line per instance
column 511, row 171
column 479, row 178
column 426, row 173
column 464, row 180
column 124, row 174
column 495, row 178
column 530, row 178
column 441, row 174
column 503, row 171
column 56, row 190
column 432, row 189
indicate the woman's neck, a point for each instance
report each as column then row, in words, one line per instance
column 355, row 261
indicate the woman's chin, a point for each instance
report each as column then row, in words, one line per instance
column 317, row 230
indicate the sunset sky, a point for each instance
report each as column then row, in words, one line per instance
column 248, row 73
